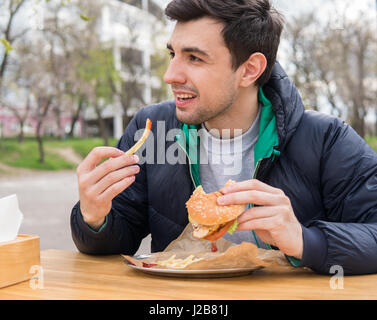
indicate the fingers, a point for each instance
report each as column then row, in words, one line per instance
column 255, row 213
column 95, row 156
column 252, row 196
column 114, row 177
column 263, row 218
column 252, row 184
column 274, row 220
column 111, row 165
column 276, row 226
column 113, row 190
column 252, row 191
column 268, row 224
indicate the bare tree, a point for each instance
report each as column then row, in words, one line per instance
column 69, row 37
column 8, row 37
column 21, row 116
column 336, row 63
column 10, row 9
column 299, row 35
column 43, row 106
column 20, row 86
column 80, row 67
column 35, row 74
column 44, row 90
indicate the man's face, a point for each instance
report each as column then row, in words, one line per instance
column 200, row 72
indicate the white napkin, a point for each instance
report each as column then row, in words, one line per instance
column 10, row 218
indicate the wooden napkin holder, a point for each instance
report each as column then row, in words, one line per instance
column 17, row 258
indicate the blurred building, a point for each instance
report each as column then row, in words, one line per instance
column 130, row 27
column 10, row 127
column 133, row 30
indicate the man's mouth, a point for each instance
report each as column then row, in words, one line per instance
column 184, row 99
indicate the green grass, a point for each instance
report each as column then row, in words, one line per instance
column 26, row 155
column 81, row 146
column 372, row 141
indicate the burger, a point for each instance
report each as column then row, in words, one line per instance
column 209, row 220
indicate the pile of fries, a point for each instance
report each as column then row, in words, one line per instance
column 174, row 263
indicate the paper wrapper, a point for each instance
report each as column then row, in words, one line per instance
column 228, row 256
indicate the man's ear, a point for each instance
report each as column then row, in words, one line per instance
column 252, row 69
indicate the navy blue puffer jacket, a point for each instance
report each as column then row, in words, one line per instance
column 323, row 166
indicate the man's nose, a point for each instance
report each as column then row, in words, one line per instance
column 174, row 73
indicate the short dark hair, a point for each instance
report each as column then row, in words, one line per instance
column 250, row 26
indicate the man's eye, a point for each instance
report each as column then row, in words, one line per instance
column 171, row 54
column 194, row 58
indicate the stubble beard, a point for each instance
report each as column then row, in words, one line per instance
column 207, row 113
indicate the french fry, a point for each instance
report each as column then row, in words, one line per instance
column 178, row 263
column 137, row 145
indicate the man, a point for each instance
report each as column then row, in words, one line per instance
column 311, row 179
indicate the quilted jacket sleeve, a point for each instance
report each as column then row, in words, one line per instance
column 348, row 237
column 126, row 224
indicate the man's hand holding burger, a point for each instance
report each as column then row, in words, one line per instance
column 272, row 219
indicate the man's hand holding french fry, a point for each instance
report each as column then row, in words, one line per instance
column 100, row 183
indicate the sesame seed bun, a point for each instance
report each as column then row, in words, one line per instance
column 203, row 208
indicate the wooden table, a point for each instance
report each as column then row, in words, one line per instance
column 73, row 275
